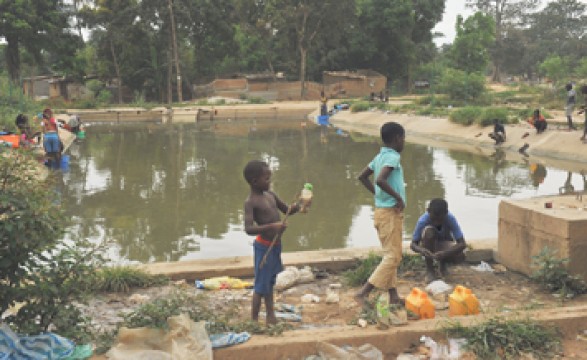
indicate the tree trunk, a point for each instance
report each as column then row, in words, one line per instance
column 498, row 41
column 13, row 58
column 303, row 53
column 169, row 75
column 117, row 69
column 175, row 52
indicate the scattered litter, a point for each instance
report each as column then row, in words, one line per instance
column 292, row 276
column 287, row 316
column 332, row 297
column 43, row 346
column 438, row 287
column 364, row 352
column 362, row 323
column 483, row 267
column 228, row 339
column 138, row 299
column 410, row 357
column 310, row 298
column 452, row 351
column 185, row 339
column 499, row 268
column 223, row 282
column 335, row 286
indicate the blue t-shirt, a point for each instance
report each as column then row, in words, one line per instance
column 449, row 230
column 390, row 158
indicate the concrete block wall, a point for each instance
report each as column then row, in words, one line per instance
column 525, row 227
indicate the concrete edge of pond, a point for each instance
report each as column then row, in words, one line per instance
column 555, row 147
column 302, row 343
column 328, row 260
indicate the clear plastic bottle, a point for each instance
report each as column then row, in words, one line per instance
column 306, row 197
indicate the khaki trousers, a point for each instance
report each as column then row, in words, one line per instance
column 389, row 225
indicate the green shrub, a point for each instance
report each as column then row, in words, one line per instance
column 360, row 274
column 257, row 100
column 551, row 273
column 466, row 115
column 491, row 113
column 43, row 273
column 507, row 339
column 461, row 86
column 360, row 106
column 124, row 278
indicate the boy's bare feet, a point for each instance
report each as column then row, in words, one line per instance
column 271, row 320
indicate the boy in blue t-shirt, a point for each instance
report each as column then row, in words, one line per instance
column 390, row 201
column 434, row 237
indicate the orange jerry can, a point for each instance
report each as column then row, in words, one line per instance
column 12, row 139
column 419, row 303
column 462, row 301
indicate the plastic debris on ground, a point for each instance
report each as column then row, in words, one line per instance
column 364, row 352
column 438, row 287
column 483, row 267
column 292, row 276
column 223, row 282
column 452, row 351
column 310, row 298
column 81, row 352
column 228, row 339
column 185, row 340
column 43, row 346
column 287, row 312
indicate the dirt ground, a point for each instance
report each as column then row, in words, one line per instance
column 499, row 293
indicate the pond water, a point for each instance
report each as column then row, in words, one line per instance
column 167, row 193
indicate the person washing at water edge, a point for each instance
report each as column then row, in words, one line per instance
column 390, row 201
column 262, row 208
column 438, row 237
column 498, row 133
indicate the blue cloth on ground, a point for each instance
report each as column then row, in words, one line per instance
column 228, row 339
column 44, row 346
column 265, row 277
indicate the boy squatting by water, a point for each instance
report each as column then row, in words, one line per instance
column 262, row 218
column 390, row 195
column 438, row 236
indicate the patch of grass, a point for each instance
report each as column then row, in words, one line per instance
column 552, row 274
column 124, row 278
column 499, row 338
column 466, row 115
column 154, row 314
column 358, row 275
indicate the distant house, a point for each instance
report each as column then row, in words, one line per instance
column 353, row 83
column 52, row 86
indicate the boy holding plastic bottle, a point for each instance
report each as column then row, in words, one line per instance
column 262, row 219
column 390, row 195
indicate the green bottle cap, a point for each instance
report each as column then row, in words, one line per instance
column 308, row 186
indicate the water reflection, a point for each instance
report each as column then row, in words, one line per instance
column 176, row 192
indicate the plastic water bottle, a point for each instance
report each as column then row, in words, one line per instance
column 306, row 197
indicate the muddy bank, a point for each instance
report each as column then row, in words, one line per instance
column 555, row 147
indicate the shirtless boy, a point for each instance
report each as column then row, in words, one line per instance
column 262, row 219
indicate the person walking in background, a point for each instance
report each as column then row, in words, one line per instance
column 570, row 106
column 323, row 104
column 390, row 201
column 262, row 208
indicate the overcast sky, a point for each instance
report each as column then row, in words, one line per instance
column 452, row 8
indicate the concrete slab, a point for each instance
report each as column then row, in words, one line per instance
column 242, row 266
column 299, row 344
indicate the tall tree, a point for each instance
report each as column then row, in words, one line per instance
column 306, row 20
column 506, row 13
column 33, row 25
column 470, row 49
